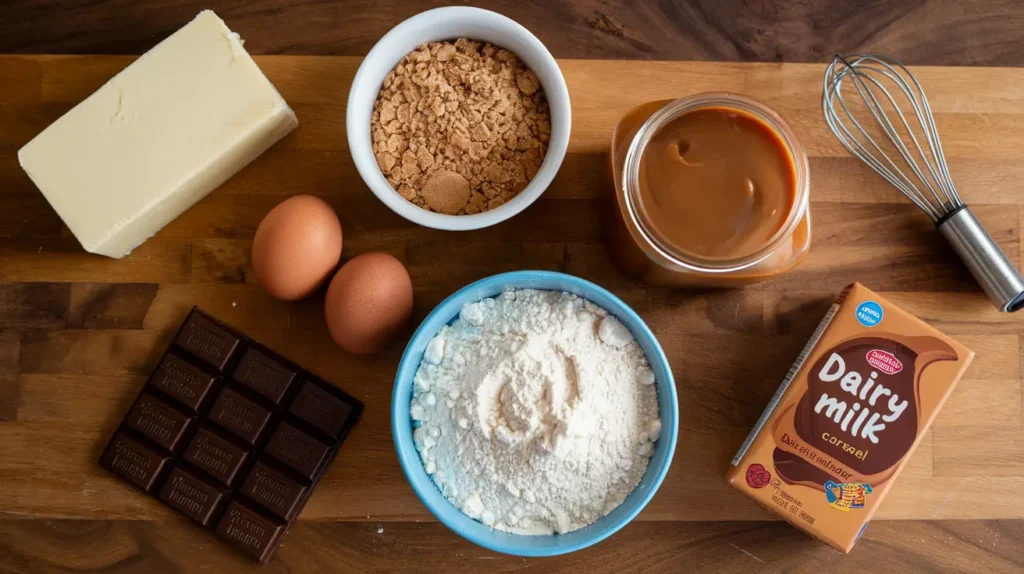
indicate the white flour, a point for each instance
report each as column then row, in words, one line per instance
column 537, row 412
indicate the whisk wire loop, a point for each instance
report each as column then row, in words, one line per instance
column 857, row 148
column 899, row 178
column 924, row 176
column 878, row 112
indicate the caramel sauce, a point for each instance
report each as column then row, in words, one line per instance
column 629, row 246
column 716, row 183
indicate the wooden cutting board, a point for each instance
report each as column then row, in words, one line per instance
column 79, row 333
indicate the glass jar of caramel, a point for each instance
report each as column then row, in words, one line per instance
column 709, row 190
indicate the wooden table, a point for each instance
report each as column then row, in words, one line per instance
column 79, row 334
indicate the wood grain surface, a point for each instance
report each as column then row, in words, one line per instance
column 944, row 32
column 79, row 333
column 174, row 545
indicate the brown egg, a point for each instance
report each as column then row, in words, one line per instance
column 368, row 302
column 297, row 247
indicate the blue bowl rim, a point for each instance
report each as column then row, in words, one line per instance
column 583, row 285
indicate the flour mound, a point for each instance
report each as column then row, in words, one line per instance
column 536, row 412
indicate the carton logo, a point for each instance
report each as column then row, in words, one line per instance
column 884, row 361
column 758, row 476
column 847, row 496
column 869, row 313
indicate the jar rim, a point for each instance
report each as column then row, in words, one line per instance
column 679, row 107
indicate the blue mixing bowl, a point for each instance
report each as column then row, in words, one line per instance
column 519, row 544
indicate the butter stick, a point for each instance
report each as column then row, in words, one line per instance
column 157, row 138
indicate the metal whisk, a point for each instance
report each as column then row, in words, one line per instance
column 886, row 90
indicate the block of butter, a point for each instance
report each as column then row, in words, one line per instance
column 157, row 138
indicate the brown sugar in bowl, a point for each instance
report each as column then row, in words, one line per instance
column 448, row 24
column 460, row 127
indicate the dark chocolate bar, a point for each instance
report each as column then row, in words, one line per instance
column 231, row 435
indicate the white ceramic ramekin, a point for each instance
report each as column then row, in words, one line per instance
column 447, row 24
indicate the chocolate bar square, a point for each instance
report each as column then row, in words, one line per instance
column 321, row 408
column 275, row 490
column 208, row 340
column 192, row 495
column 301, row 452
column 251, row 531
column 216, row 455
column 240, row 416
column 134, row 461
column 265, row 375
column 182, row 381
column 159, row 421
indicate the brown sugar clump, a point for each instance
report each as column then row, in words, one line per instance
column 460, row 127
column 446, row 192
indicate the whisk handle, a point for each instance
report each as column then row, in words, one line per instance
column 991, row 269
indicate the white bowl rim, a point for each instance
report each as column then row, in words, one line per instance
column 552, row 81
